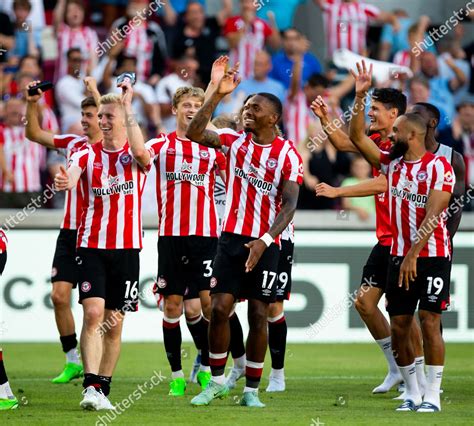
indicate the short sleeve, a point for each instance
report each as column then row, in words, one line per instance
column 63, row 141
column 267, row 29
column 79, row 159
column 293, row 167
column 221, row 161
column 370, row 11
column 154, row 145
column 385, row 161
column 232, row 25
column 443, row 176
column 228, row 137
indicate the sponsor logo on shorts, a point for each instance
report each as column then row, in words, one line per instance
column 432, row 298
column 54, row 272
column 85, row 286
column 162, row 282
column 213, row 282
column 266, row 292
column 126, row 159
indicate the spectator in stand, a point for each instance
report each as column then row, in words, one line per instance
column 70, row 91
column 7, row 36
column 442, row 88
column 20, row 159
column 112, row 10
column 364, row 207
column 36, row 16
column 27, row 39
column 146, row 42
column 392, row 42
column 71, row 32
column 347, row 21
column 284, row 11
column 197, row 35
column 144, row 98
column 419, row 91
column 461, row 137
column 283, row 61
column 261, row 82
column 184, row 75
column 247, row 34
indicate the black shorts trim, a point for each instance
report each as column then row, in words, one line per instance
column 3, row 261
column 429, row 291
column 285, row 263
column 112, row 275
column 64, row 261
column 185, row 265
column 229, row 270
column 375, row 270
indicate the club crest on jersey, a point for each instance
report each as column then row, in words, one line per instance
column 126, row 159
column 421, row 176
column 204, row 154
column 272, row 164
column 86, row 286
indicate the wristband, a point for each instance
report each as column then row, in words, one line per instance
column 267, row 239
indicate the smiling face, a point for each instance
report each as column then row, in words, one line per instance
column 399, row 138
column 381, row 118
column 186, row 109
column 258, row 114
column 111, row 121
column 89, row 121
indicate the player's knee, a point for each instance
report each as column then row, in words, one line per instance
column 60, row 298
column 93, row 315
column 258, row 320
column 219, row 312
column 275, row 309
column 430, row 324
column 399, row 329
column 173, row 309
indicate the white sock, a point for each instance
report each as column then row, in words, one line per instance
column 247, row 389
column 386, row 346
column 433, row 384
column 205, row 368
column 220, row 380
column 73, row 356
column 240, row 362
column 277, row 373
column 420, row 373
column 409, row 376
column 177, row 374
column 6, row 391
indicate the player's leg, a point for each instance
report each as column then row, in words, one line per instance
column 277, row 331
column 192, row 313
column 372, row 287
column 7, row 399
column 64, row 279
column 417, row 344
column 236, row 349
column 204, row 374
column 401, row 305
column 435, row 276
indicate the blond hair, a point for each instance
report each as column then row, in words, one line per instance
column 187, row 92
column 110, row 98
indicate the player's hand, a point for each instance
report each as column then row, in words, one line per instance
column 91, row 84
column 320, row 108
column 127, row 93
column 230, row 81
column 61, row 180
column 407, row 271
column 325, row 190
column 34, row 98
column 257, row 247
column 218, row 69
column 363, row 78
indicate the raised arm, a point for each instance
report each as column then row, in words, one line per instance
column 459, row 78
column 33, row 130
column 337, row 137
column 288, row 206
column 197, row 131
column 217, row 72
column 274, row 40
column 134, row 133
column 91, row 88
column 368, row 187
column 225, row 12
column 364, row 144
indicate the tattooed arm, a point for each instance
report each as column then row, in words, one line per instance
column 289, row 199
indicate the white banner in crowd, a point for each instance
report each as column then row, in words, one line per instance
column 325, row 276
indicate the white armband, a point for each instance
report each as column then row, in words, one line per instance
column 267, row 239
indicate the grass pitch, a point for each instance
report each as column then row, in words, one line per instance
column 327, row 384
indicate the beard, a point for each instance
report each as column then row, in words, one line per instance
column 398, row 149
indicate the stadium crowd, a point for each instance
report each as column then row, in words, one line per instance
column 174, row 43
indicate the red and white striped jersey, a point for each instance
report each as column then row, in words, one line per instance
column 251, row 42
column 112, row 183
column 50, row 121
column 346, row 25
column 255, row 176
column 185, row 181
column 137, row 44
column 402, row 58
column 73, row 202
column 24, row 160
column 297, row 117
column 3, row 241
column 409, row 185
column 85, row 38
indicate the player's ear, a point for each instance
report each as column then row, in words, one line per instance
column 173, row 110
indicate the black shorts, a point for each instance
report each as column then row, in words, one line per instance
column 64, row 262
column 285, row 263
column 229, row 270
column 375, row 270
column 430, row 288
column 3, row 261
column 185, row 265
column 111, row 275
